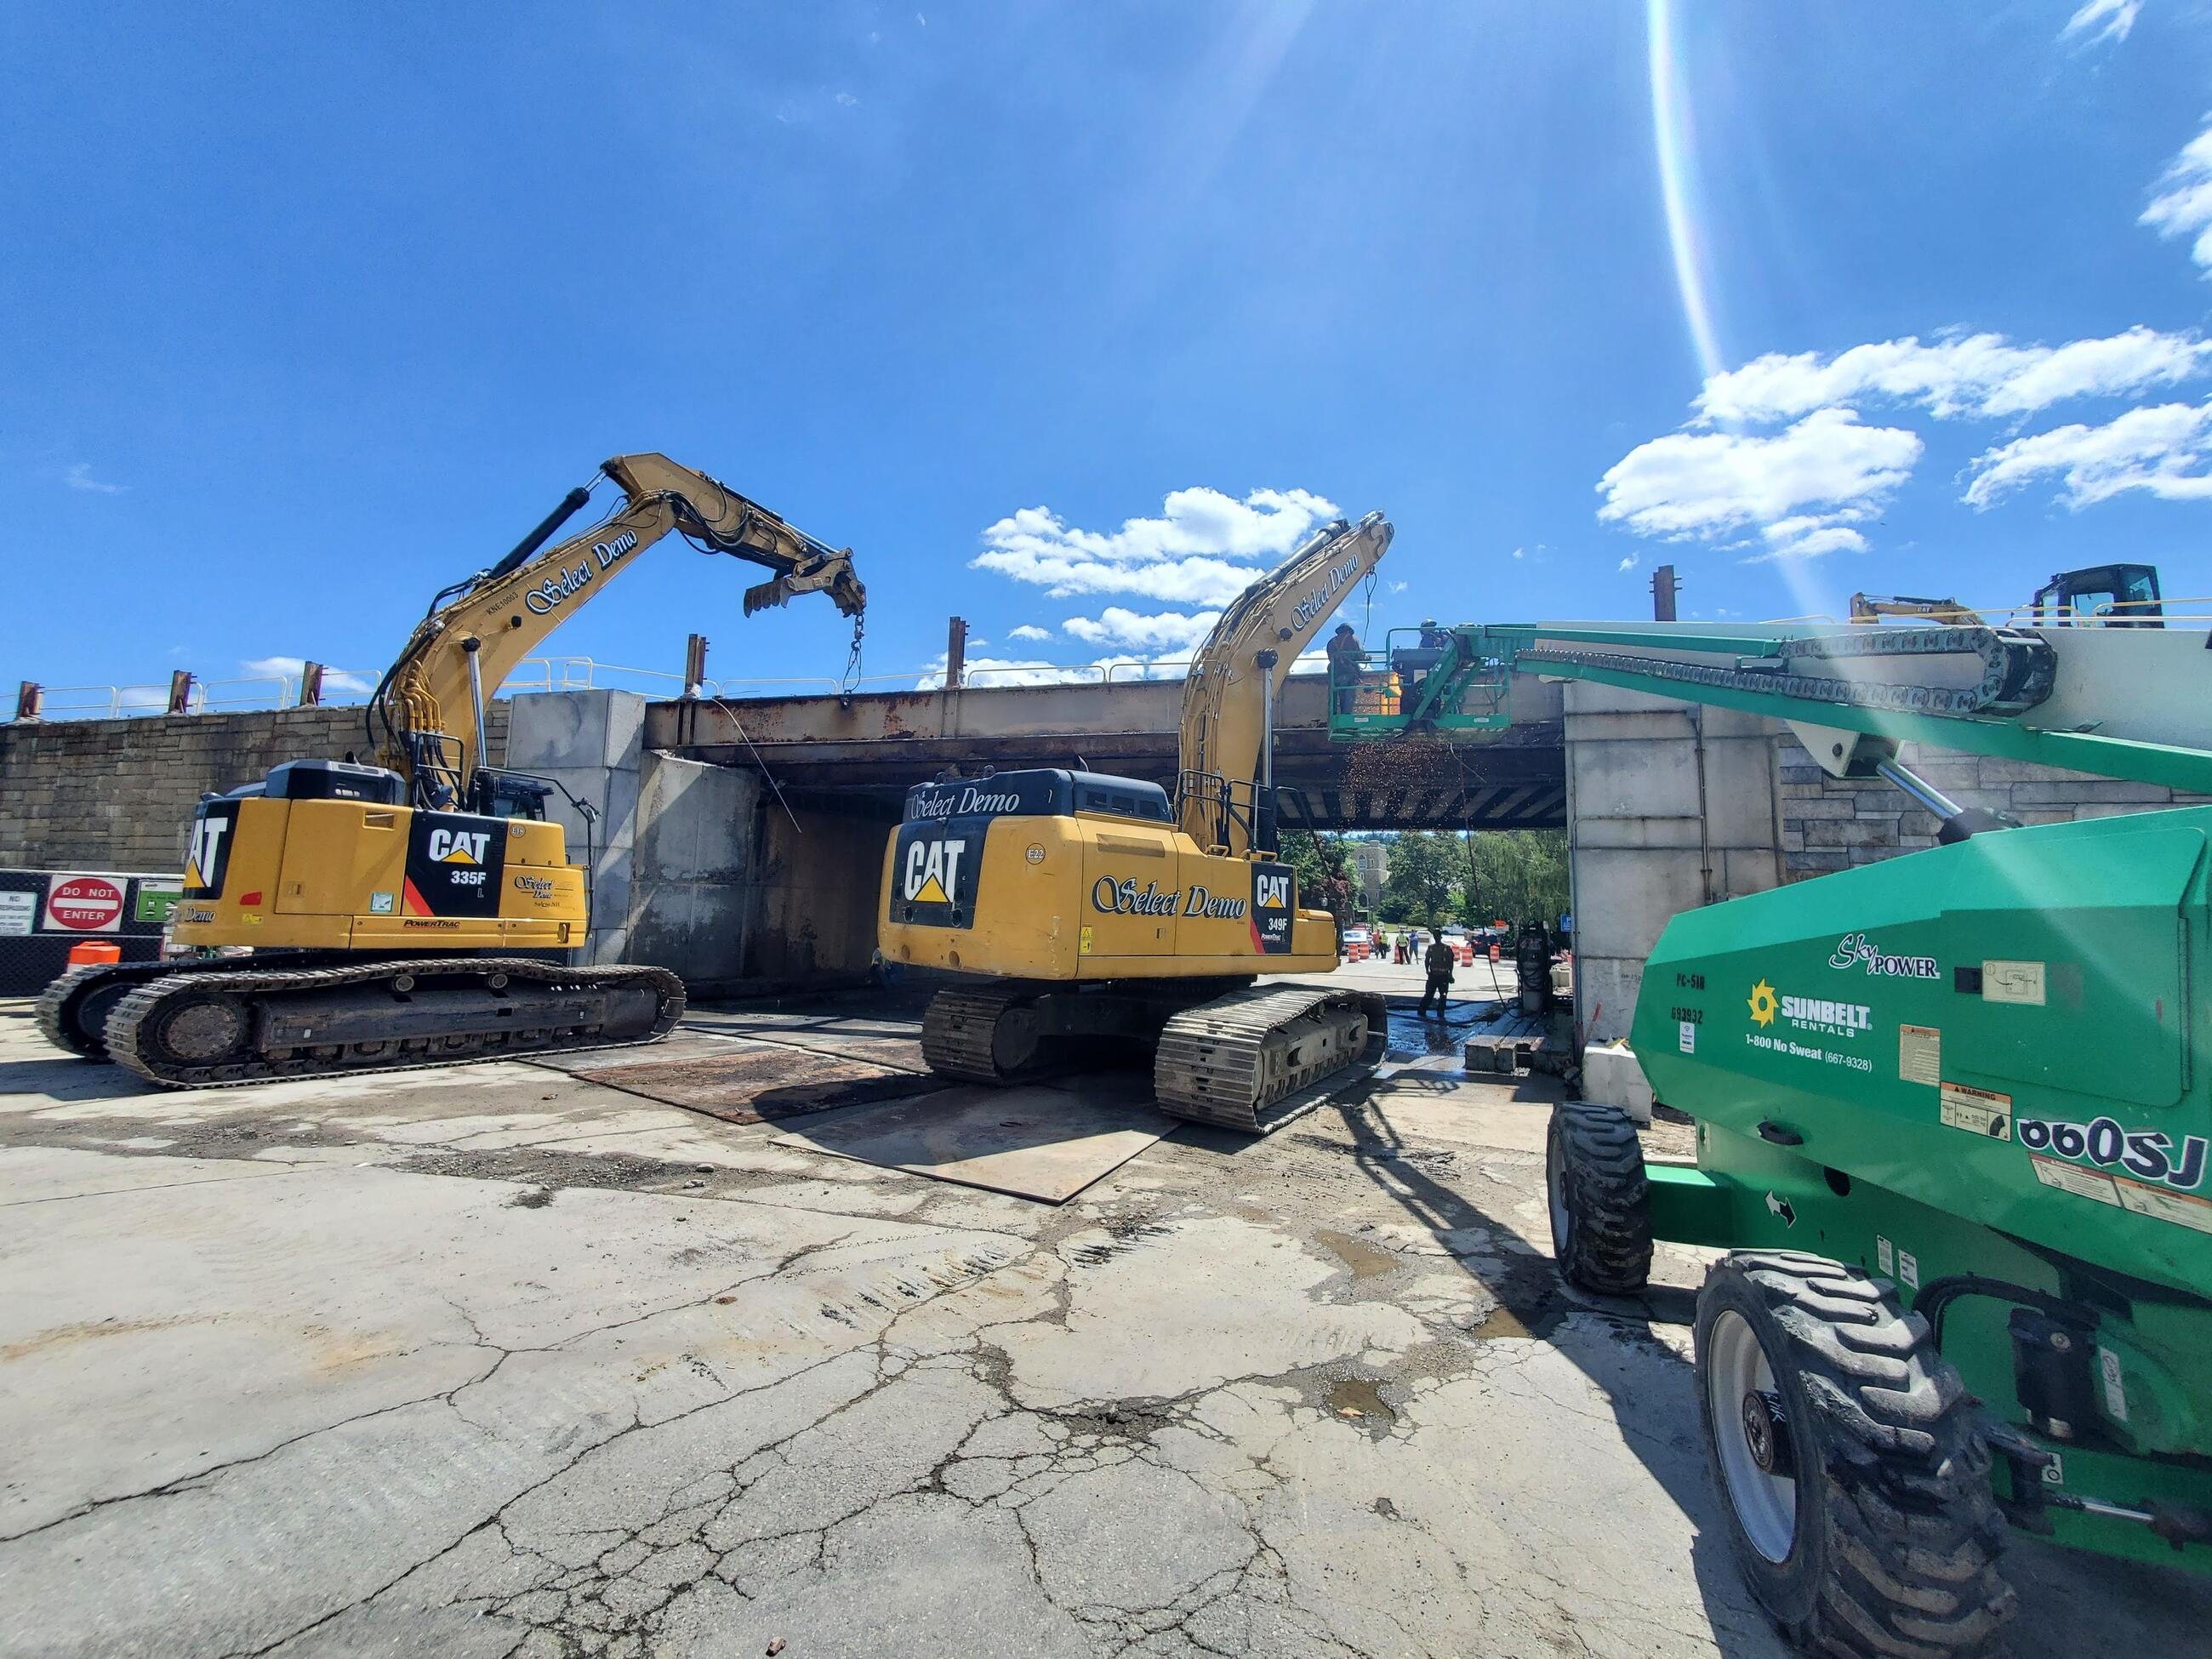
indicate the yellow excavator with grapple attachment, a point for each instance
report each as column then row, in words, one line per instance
column 417, row 912
column 1106, row 913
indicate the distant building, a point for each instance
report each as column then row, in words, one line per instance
column 1370, row 864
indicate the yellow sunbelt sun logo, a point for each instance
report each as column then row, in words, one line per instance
column 1764, row 1003
column 458, row 846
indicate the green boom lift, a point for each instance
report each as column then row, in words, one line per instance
column 1953, row 1116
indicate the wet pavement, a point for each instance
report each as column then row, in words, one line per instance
column 511, row 1360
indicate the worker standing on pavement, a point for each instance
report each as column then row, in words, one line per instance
column 1439, row 961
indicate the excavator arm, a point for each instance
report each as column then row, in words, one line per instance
column 478, row 630
column 1228, row 702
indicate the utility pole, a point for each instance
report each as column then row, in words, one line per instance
column 956, row 654
column 694, row 664
column 1663, row 593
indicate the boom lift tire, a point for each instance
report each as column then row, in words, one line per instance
column 1843, row 1446
column 1600, row 1199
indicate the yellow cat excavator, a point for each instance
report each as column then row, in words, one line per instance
column 390, row 908
column 1106, row 913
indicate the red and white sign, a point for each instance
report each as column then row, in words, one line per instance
column 83, row 904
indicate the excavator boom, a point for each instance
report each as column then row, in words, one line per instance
column 1241, row 668
column 426, row 706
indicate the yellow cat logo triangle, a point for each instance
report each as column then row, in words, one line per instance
column 931, row 892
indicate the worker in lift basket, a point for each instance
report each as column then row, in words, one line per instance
column 1439, row 962
column 1344, row 655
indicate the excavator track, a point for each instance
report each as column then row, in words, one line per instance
column 1246, row 1060
column 73, row 1009
column 961, row 1036
column 229, row 1024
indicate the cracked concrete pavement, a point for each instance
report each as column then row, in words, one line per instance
column 496, row 1360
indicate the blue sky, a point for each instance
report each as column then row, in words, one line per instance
column 312, row 310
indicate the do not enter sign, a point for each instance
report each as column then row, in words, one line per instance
column 84, row 904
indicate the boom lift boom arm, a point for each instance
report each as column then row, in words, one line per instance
column 478, row 630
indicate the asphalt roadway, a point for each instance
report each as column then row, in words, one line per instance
column 499, row 1360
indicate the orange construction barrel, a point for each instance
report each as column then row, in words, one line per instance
column 87, row 952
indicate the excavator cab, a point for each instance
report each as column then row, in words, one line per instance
column 2100, row 595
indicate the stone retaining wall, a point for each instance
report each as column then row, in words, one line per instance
column 119, row 794
column 1831, row 824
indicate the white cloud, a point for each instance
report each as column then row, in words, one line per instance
column 1827, row 470
column 1116, row 626
column 79, row 477
column 2166, row 451
column 290, row 668
column 1629, row 563
column 1196, row 552
column 1979, row 374
column 2099, row 20
column 1002, row 670
column 1519, row 552
column 845, row 100
column 2183, row 206
column 1029, row 631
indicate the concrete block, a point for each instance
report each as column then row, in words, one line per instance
column 1743, row 871
column 1624, row 897
column 1612, row 1076
column 1812, row 861
column 1670, row 833
column 1852, row 832
column 1657, row 727
column 1629, row 780
column 1585, row 697
column 1828, row 807
column 1605, row 989
column 571, row 730
column 2071, row 794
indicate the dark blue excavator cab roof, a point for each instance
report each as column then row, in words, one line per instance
column 1041, row 792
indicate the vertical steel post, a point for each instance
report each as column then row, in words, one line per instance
column 180, row 692
column 471, row 647
column 956, row 653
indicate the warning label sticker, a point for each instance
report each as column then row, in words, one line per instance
column 1920, row 1054
column 2165, row 1205
column 1977, row 1111
column 2073, row 1178
column 2012, row 981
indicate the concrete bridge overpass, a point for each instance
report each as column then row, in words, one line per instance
column 858, row 755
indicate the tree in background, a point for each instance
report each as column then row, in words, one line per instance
column 1516, row 875
column 1323, row 881
column 1425, row 876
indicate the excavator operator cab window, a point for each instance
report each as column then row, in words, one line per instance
column 2103, row 596
column 1135, row 801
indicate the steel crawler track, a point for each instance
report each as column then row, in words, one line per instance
column 1217, row 1064
column 246, row 998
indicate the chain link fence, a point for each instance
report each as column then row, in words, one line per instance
column 43, row 913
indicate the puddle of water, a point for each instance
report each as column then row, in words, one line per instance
column 1366, row 1260
column 1357, row 1400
